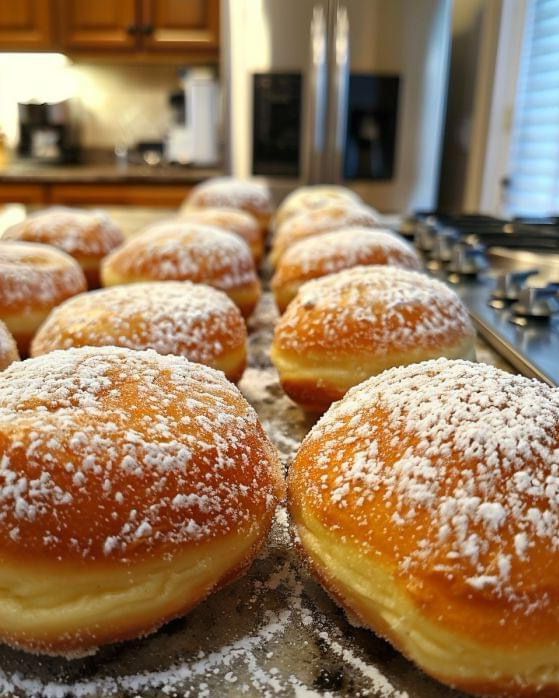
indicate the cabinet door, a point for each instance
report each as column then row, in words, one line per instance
column 25, row 24
column 158, row 195
column 180, row 24
column 23, row 193
column 91, row 24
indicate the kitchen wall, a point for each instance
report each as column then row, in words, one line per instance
column 117, row 104
column 124, row 104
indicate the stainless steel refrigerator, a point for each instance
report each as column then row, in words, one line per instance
column 350, row 91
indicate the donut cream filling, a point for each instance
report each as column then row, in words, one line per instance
column 25, row 322
column 231, row 361
column 87, row 262
column 345, row 372
column 40, row 603
column 244, row 295
column 285, row 293
column 371, row 592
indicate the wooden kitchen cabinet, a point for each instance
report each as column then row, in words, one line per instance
column 116, row 193
column 23, row 194
column 26, row 25
column 135, row 26
column 180, row 24
column 98, row 24
column 131, row 29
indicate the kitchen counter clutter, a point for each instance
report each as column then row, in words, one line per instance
column 275, row 631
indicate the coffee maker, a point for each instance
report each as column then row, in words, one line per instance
column 48, row 132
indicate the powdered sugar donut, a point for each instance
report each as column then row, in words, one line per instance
column 85, row 235
column 343, row 328
column 234, row 220
column 171, row 317
column 325, row 254
column 322, row 220
column 131, row 486
column 34, row 279
column 305, row 199
column 184, row 251
column 426, row 502
column 8, row 347
column 231, row 192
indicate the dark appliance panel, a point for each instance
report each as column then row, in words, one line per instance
column 276, row 133
column 371, row 127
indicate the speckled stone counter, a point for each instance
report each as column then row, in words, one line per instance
column 104, row 173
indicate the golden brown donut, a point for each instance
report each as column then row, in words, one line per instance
column 184, row 251
column 426, row 502
column 311, row 198
column 343, row 328
column 34, row 278
column 171, row 317
column 8, row 347
column 325, row 254
column 132, row 485
column 322, row 220
column 234, row 220
column 231, row 192
column 87, row 236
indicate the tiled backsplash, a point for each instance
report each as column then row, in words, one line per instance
column 117, row 104
column 124, row 104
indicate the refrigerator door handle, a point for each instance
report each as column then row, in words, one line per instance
column 315, row 136
column 341, row 91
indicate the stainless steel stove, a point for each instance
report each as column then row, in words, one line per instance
column 507, row 273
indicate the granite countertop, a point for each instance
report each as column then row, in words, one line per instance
column 21, row 172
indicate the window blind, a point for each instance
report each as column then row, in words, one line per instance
column 534, row 157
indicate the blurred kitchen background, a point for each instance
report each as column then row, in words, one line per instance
column 414, row 103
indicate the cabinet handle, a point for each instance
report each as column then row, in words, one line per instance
column 133, row 29
column 147, row 29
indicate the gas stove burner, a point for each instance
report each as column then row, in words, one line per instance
column 425, row 235
column 536, row 303
column 490, row 262
column 443, row 244
column 538, row 235
column 466, row 261
column 509, row 285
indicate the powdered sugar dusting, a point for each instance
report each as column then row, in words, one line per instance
column 192, row 320
column 234, row 220
column 341, row 249
column 312, row 198
column 232, row 192
column 73, row 230
column 34, row 275
column 488, row 507
column 182, row 428
column 322, row 220
column 180, row 250
column 374, row 307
